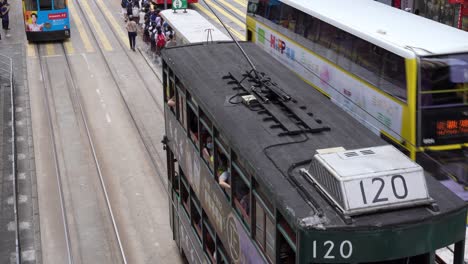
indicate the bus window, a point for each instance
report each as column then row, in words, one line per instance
column 262, row 8
column 274, row 11
column 264, row 230
column 241, row 194
column 345, row 51
column 393, row 78
column 311, row 27
column 60, row 4
column 30, row 5
column 45, row 5
column 301, row 23
column 368, row 61
column 287, row 19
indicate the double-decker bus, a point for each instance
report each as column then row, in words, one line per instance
column 191, row 27
column 46, row 20
column 403, row 76
column 263, row 169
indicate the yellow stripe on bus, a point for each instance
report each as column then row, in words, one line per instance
column 50, row 49
column 241, row 2
column 112, row 20
column 99, row 32
column 80, row 27
column 226, row 14
column 31, row 50
column 69, row 46
column 233, row 8
column 209, row 14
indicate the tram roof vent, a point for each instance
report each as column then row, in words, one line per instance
column 367, row 180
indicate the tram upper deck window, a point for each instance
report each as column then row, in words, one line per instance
column 30, row 5
column 60, row 4
column 45, row 4
column 193, row 125
column 444, row 81
column 241, row 193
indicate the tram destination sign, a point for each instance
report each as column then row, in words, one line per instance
column 366, row 180
column 179, row 4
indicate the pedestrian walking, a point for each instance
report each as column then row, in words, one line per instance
column 4, row 13
column 132, row 31
column 160, row 41
column 171, row 42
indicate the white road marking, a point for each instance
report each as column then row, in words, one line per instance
column 86, row 60
column 108, row 118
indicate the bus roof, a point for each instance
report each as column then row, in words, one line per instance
column 396, row 30
column 192, row 26
column 257, row 142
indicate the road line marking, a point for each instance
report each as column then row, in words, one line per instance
column 226, row 14
column 108, row 118
column 80, row 27
column 50, row 49
column 241, row 2
column 99, row 32
column 31, row 50
column 112, row 20
column 69, row 47
column 233, row 8
column 209, row 14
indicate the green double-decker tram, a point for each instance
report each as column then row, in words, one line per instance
column 263, row 169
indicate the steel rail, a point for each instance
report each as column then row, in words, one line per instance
column 47, row 85
column 93, row 150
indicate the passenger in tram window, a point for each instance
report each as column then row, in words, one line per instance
column 172, row 101
column 208, row 149
column 223, row 173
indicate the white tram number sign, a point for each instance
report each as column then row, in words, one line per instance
column 331, row 250
column 389, row 189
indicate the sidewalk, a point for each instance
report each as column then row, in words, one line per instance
column 14, row 47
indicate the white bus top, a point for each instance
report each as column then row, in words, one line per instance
column 398, row 31
column 192, row 26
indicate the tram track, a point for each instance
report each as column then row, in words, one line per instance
column 47, row 86
column 143, row 133
column 76, row 102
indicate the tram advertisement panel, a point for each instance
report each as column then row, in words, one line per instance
column 233, row 235
column 37, row 21
column 373, row 109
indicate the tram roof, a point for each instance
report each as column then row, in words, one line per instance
column 201, row 68
column 394, row 29
column 192, row 26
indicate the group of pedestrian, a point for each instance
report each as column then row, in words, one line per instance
column 156, row 33
column 4, row 14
